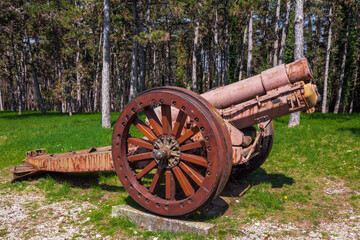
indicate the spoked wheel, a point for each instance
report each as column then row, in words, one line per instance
column 243, row 170
column 181, row 158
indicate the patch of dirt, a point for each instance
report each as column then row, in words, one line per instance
column 28, row 215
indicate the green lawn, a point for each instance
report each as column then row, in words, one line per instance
column 322, row 153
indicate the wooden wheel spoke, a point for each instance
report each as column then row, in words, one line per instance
column 188, row 134
column 156, row 180
column 142, row 127
column 140, row 156
column 179, row 124
column 193, row 145
column 169, row 185
column 192, row 172
column 146, row 169
column 198, row 160
column 184, row 183
column 154, row 120
column 140, row 142
column 166, row 119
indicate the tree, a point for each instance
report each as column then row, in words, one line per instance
column 284, row 32
column 134, row 64
column 299, row 48
column 276, row 42
column 105, row 84
column 250, row 46
column 342, row 70
column 328, row 50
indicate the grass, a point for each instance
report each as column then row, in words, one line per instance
column 322, row 153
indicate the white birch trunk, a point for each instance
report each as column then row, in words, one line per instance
column 250, row 46
column 298, row 48
column 1, row 102
column 276, row 42
column 284, row 32
column 216, row 42
column 342, row 70
column 355, row 81
column 105, row 86
column 327, row 61
column 78, row 77
column 96, row 90
column 134, row 64
column 242, row 52
column 194, row 60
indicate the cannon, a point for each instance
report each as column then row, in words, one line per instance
column 174, row 150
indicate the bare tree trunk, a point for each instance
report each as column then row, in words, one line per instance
column 167, row 56
column 78, row 77
column 11, row 82
column 342, row 70
column 326, row 74
column 216, row 43
column 96, row 90
column 194, row 60
column 134, row 65
column 242, row 51
column 285, row 30
column 226, row 48
column 1, row 102
column 142, row 52
column 299, row 48
column 250, row 45
column 17, row 77
column 355, row 81
column 155, row 79
column 105, row 84
column 276, row 43
column 36, row 82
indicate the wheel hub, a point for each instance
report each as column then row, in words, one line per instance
column 166, row 151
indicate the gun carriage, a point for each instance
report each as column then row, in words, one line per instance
column 190, row 143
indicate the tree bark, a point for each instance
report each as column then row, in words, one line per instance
column 342, row 70
column 167, row 56
column 327, row 61
column 226, row 49
column 35, row 78
column 194, row 60
column 276, row 42
column 78, row 77
column 250, row 46
column 96, row 87
column 17, row 77
column 142, row 52
column 105, row 86
column 216, row 43
column 242, row 51
column 134, row 73
column 298, row 48
column 355, row 81
column 284, row 33
column 1, row 102
column 11, row 82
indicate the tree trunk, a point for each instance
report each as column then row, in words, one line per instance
column 142, row 52
column 276, row 43
column 298, row 48
column 327, row 61
column 17, row 77
column 78, row 77
column 134, row 65
column 242, row 51
column 216, row 43
column 11, row 82
column 194, row 60
column 35, row 78
column 284, row 32
column 355, row 81
column 105, row 83
column 167, row 56
column 342, row 70
column 96, row 87
column 226, row 49
column 250, row 46
column 1, row 102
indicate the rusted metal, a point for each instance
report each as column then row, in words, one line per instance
column 190, row 143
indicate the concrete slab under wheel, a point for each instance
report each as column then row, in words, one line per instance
column 157, row 223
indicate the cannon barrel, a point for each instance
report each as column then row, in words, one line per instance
column 259, row 85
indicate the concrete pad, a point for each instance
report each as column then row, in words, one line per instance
column 157, row 223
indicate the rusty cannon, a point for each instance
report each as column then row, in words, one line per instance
column 174, row 150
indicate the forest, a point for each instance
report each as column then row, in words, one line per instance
column 52, row 52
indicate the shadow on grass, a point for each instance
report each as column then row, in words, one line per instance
column 355, row 131
column 277, row 180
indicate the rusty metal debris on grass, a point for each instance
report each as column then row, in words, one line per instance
column 190, row 143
